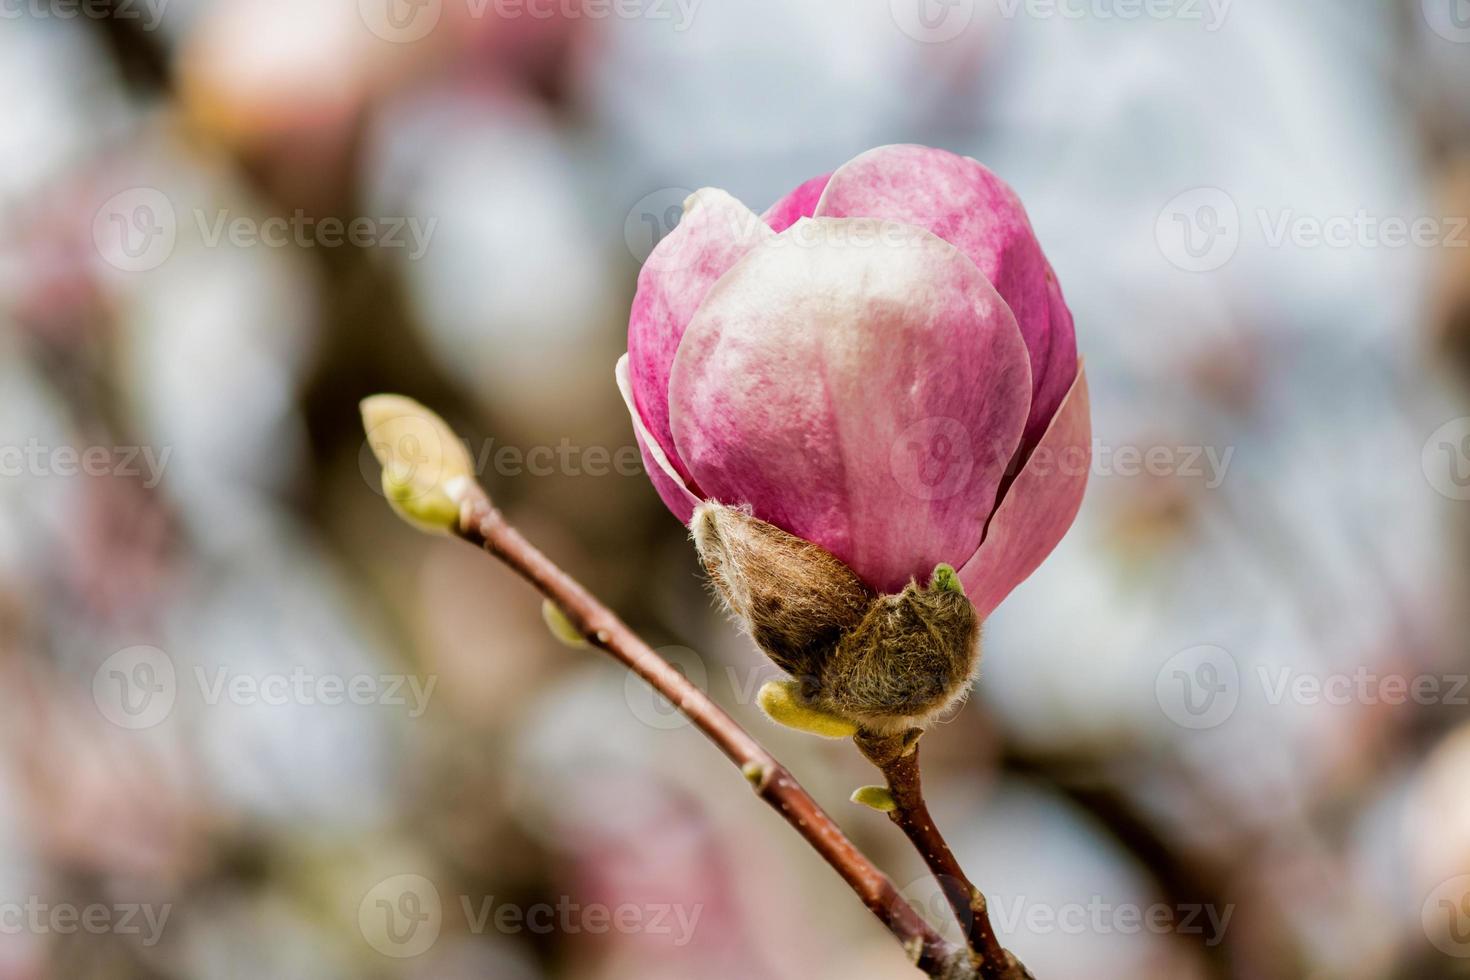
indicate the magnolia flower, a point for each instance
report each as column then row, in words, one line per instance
column 881, row 365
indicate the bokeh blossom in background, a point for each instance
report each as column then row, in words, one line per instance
column 255, row 729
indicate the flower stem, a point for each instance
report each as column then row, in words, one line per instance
column 481, row 524
column 897, row 757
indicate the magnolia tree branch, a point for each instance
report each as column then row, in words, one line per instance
column 897, row 757
column 481, row 524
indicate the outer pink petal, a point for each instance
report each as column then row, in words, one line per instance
column 665, row 479
column 1038, row 508
column 1059, row 362
column 715, row 231
column 859, row 384
column 961, row 201
column 800, row 203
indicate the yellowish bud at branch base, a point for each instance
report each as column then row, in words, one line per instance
column 782, row 703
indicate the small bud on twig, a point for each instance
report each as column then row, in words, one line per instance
column 876, row 798
column 560, row 626
column 426, row 468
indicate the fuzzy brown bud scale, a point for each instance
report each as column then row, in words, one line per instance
column 887, row 662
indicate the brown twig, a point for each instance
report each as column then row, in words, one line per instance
column 483, row 525
column 897, row 757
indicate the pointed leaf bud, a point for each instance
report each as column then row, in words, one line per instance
column 560, row 626
column 878, row 798
column 426, row 468
column 782, row 702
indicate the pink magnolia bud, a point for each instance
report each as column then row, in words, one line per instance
column 882, row 365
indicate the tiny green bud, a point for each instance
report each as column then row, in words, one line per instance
column 754, row 773
column 560, row 626
column 426, row 468
column 783, row 704
column 875, row 798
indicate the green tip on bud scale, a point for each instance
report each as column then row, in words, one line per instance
column 945, row 579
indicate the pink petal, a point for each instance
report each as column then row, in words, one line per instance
column 665, row 479
column 800, row 203
column 961, row 201
column 860, row 384
column 1038, row 508
column 715, row 231
column 1059, row 363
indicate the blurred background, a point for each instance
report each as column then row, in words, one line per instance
column 254, row 726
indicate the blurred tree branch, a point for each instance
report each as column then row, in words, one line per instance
column 143, row 60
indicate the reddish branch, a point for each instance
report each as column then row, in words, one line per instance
column 481, row 524
column 898, row 758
